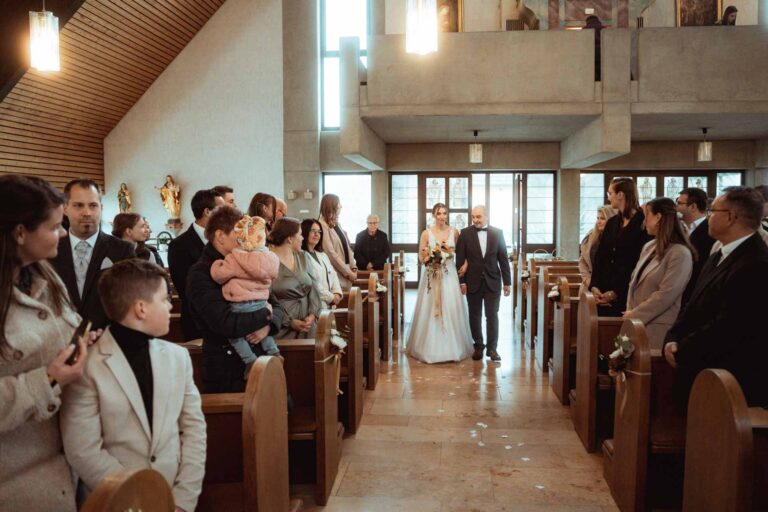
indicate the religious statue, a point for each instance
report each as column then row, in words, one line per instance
column 522, row 17
column 124, row 199
column 170, row 193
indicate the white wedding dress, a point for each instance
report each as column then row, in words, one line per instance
column 445, row 337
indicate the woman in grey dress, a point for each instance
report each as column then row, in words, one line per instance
column 293, row 287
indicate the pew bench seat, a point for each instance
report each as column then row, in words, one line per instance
column 667, row 435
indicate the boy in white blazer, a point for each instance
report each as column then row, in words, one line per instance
column 136, row 405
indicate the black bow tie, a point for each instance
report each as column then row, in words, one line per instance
column 481, row 229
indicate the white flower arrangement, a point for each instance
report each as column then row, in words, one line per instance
column 525, row 274
column 337, row 341
column 380, row 288
column 403, row 270
column 617, row 361
column 554, row 293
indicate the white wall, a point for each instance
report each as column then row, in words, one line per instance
column 213, row 117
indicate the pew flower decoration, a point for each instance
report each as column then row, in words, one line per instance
column 617, row 361
column 337, row 340
column 340, row 343
column 554, row 293
column 525, row 275
column 380, row 288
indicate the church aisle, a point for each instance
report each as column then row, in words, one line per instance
column 470, row 436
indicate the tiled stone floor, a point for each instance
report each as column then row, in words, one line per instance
column 469, row 436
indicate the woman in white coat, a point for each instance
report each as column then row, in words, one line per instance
column 36, row 324
column 320, row 268
column 662, row 272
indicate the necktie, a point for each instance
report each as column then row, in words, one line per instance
column 481, row 229
column 716, row 258
column 81, row 264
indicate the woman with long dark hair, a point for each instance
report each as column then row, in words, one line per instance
column 264, row 206
column 623, row 239
column 133, row 228
column 36, row 324
column 662, row 272
column 319, row 266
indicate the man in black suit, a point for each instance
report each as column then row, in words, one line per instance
column 185, row 250
column 372, row 246
column 692, row 205
column 723, row 325
column 485, row 250
column 86, row 250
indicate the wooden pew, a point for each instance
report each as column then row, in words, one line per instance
column 314, row 430
column 397, row 303
column 543, row 313
column 195, row 348
column 522, row 285
column 385, row 307
column 643, row 462
column 531, row 314
column 350, row 319
column 401, row 294
column 246, row 466
column 562, row 376
column 370, row 317
column 592, row 400
column 138, row 489
column 726, row 448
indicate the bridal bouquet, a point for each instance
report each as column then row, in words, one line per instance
column 436, row 264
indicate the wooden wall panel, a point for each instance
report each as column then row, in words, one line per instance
column 53, row 124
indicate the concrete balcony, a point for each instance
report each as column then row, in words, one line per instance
column 539, row 86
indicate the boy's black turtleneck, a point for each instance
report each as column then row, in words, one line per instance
column 135, row 346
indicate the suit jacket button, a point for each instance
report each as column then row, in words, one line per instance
column 152, row 459
column 18, row 355
column 42, row 315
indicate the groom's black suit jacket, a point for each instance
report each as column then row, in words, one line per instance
column 493, row 268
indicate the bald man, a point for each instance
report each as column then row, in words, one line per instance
column 281, row 209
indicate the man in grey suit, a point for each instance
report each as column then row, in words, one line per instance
column 485, row 250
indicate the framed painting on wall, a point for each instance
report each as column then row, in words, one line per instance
column 450, row 15
column 698, row 13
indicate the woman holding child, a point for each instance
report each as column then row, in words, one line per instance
column 293, row 287
column 37, row 323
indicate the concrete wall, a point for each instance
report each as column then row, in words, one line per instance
column 491, row 67
column 213, row 117
column 702, row 64
column 496, row 156
column 682, row 155
column 661, row 13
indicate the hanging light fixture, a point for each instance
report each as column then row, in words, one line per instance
column 421, row 26
column 476, row 152
column 705, row 149
column 44, row 40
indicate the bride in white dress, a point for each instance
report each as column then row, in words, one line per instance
column 440, row 327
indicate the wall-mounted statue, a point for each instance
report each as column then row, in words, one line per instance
column 521, row 17
column 170, row 193
column 124, row 199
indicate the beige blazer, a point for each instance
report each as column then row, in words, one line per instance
column 334, row 249
column 654, row 297
column 585, row 260
column 105, row 428
column 33, row 472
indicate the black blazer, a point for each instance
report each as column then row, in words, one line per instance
column 183, row 252
column 371, row 249
column 723, row 324
column 495, row 265
column 617, row 256
column 222, row 367
column 703, row 243
column 89, row 305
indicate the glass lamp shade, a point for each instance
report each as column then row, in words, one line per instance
column 705, row 151
column 421, row 26
column 475, row 153
column 44, row 41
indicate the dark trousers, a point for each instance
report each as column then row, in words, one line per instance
column 483, row 296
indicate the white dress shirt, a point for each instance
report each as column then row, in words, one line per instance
column 693, row 225
column 729, row 248
column 482, row 237
column 73, row 241
column 200, row 232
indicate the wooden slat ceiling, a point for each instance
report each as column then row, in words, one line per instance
column 53, row 124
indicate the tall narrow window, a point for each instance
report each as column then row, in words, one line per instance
column 592, row 197
column 339, row 18
column 354, row 191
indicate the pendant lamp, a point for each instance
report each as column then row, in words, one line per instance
column 705, row 149
column 476, row 152
column 44, row 40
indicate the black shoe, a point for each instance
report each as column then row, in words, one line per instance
column 494, row 355
column 478, row 354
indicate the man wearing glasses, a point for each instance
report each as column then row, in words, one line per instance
column 692, row 205
column 723, row 324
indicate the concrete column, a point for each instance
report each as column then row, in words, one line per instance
column 762, row 12
column 301, row 171
column 568, row 186
column 378, row 17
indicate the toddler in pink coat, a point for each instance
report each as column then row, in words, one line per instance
column 247, row 273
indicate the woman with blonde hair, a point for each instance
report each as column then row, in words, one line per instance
column 335, row 242
column 588, row 247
